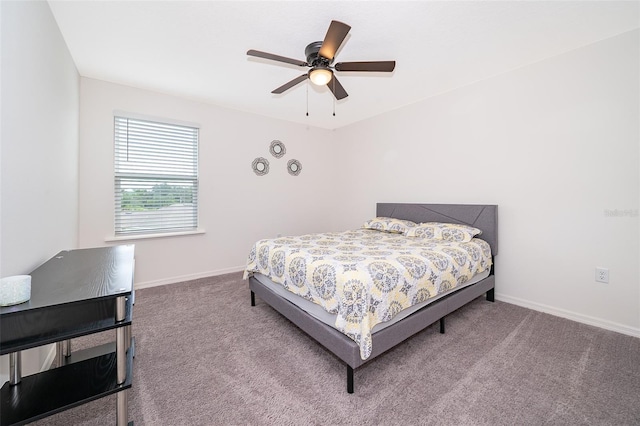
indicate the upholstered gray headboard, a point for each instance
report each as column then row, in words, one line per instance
column 483, row 217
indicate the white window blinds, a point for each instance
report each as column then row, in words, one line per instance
column 156, row 177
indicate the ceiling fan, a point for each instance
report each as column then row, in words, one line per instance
column 320, row 56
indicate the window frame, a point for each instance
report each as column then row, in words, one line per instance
column 143, row 178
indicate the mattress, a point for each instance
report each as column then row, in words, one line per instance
column 320, row 314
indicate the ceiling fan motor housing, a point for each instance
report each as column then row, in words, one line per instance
column 313, row 59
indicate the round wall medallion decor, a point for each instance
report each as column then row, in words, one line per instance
column 277, row 149
column 260, row 166
column 294, row 167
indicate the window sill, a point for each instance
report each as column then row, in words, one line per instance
column 148, row 236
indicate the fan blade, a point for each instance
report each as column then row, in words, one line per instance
column 335, row 36
column 273, row 57
column 290, row 84
column 336, row 88
column 377, row 66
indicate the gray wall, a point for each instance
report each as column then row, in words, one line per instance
column 39, row 165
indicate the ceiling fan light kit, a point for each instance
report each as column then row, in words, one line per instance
column 320, row 76
column 320, row 56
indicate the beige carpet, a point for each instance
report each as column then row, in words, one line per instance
column 204, row 356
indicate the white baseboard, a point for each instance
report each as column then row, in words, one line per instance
column 585, row 319
column 563, row 313
column 189, row 277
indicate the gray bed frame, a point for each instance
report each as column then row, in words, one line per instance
column 484, row 217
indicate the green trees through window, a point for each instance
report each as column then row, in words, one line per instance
column 161, row 195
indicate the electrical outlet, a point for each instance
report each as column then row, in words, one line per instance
column 602, row 275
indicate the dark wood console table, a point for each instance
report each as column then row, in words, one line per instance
column 75, row 293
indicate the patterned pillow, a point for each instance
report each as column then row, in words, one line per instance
column 444, row 231
column 389, row 224
column 425, row 230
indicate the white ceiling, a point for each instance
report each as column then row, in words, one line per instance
column 197, row 49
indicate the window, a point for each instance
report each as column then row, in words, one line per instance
column 156, row 177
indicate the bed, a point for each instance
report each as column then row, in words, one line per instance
column 355, row 349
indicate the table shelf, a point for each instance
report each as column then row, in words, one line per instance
column 70, row 321
column 49, row 392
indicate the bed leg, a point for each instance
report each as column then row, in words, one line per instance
column 491, row 295
column 253, row 299
column 442, row 325
column 349, row 379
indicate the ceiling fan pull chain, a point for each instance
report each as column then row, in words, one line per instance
column 333, row 81
column 307, row 100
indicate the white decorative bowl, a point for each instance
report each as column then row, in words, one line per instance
column 15, row 290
